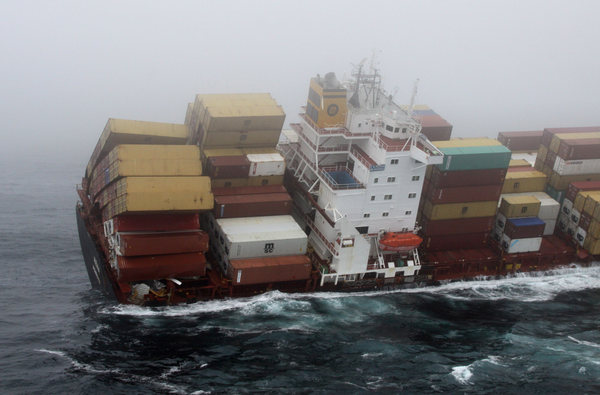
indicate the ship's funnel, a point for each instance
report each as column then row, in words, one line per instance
column 331, row 81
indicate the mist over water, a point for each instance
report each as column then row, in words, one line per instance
column 519, row 335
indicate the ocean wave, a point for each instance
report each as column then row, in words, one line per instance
column 522, row 287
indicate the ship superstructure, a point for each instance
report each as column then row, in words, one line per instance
column 359, row 166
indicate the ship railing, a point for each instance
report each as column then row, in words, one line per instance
column 337, row 148
column 401, row 116
column 329, row 180
column 361, row 158
column 322, row 171
column 328, row 244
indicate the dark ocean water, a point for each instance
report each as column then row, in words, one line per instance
column 522, row 335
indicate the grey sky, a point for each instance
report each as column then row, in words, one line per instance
column 485, row 66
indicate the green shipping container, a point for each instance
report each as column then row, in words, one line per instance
column 556, row 194
column 475, row 158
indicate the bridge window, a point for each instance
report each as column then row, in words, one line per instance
column 394, row 161
column 391, row 179
column 385, row 214
column 389, row 128
column 366, row 215
column 372, row 197
column 387, row 197
column 416, row 178
column 408, row 213
column 412, row 195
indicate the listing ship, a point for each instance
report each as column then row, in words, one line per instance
column 361, row 194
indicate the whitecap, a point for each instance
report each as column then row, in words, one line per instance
column 462, row 374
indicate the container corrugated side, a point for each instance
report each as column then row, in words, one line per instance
column 255, row 237
column 592, row 244
column 585, row 221
column 455, row 226
column 459, row 210
column 464, row 194
column 247, row 118
column 591, row 202
column 580, row 149
column 229, row 182
column 161, row 243
column 465, row 178
column 558, row 138
column 475, row 158
column 156, row 267
column 515, row 246
column 556, row 194
column 580, row 236
column 542, row 153
column 435, row 128
column 594, row 228
column 219, row 167
column 269, row 270
column 562, row 182
column 155, row 222
column 262, row 189
column 520, row 206
column 520, row 228
column 526, row 181
column 256, row 205
column 265, row 180
column 266, row 165
column 241, row 139
column 568, row 167
column 521, row 141
column 456, row 242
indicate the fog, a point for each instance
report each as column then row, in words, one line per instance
column 485, row 66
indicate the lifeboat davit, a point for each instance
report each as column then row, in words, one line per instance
column 393, row 241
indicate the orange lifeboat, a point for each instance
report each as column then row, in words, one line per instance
column 393, row 241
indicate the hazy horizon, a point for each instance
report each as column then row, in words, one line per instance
column 485, row 67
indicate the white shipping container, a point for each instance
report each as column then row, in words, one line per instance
column 575, row 216
column 570, row 167
column 549, row 208
column 256, row 237
column 571, row 228
column 563, row 222
column 567, row 207
column 550, row 225
column 262, row 165
column 580, row 235
column 500, row 222
column 514, row 246
column 497, row 233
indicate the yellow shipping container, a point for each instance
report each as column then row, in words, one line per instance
column 459, row 210
column 520, row 206
column 579, row 201
column 140, row 151
column 547, row 170
column 474, row 142
column 267, row 180
column 559, row 137
column 519, row 163
column 562, row 182
column 209, row 153
column 241, row 139
column 229, row 182
column 539, row 164
column 232, row 118
column 592, row 244
column 594, row 229
column 524, row 181
column 542, row 153
column 188, row 114
column 155, row 168
column 173, row 185
column 122, row 131
column 591, row 203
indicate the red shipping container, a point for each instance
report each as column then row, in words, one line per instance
column 456, row 242
column 575, row 187
column 252, row 205
column 579, row 149
column 549, row 132
column 521, row 141
column 456, row 226
column 260, row 189
column 517, row 228
column 140, row 268
column 155, row 222
column 479, row 193
column 435, row 128
column 269, row 270
column 466, row 178
column 160, row 243
column 228, row 167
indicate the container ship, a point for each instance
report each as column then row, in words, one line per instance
column 361, row 194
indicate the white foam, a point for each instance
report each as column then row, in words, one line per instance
column 462, row 374
column 524, row 287
column 585, row 343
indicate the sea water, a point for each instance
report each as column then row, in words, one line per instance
column 519, row 335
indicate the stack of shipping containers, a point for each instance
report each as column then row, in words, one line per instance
column 255, row 239
column 138, row 168
column 433, row 126
column 580, row 215
column 460, row 195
